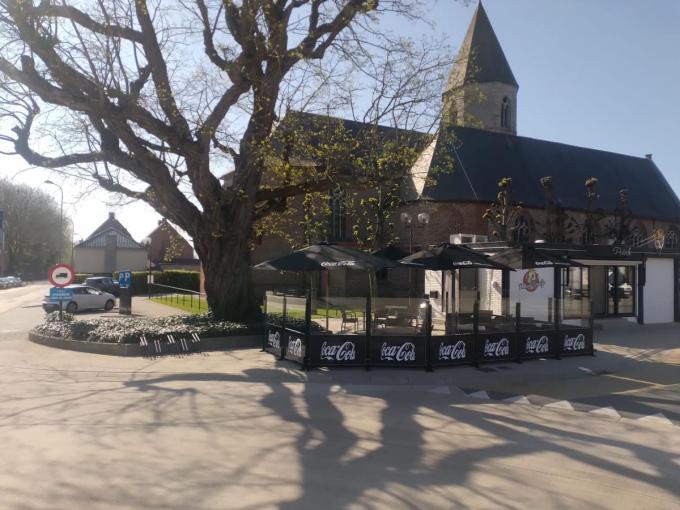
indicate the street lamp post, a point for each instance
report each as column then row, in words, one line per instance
column 422, row 218
column 61, row 219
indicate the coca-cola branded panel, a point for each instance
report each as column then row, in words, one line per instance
column 576, row 341
column 539, row 344
column 452, row 349
column 273, row 339
column 398, row 351
column 337, row 350
column 295, row 345
column 496, row 346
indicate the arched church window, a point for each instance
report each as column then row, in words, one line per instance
column 637, row 236
column 505, row 113
column 521, row 231
column 337, row 224
column 672, row 240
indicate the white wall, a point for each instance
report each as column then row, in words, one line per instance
column 658, row 291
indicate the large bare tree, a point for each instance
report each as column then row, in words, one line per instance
column 154, row 100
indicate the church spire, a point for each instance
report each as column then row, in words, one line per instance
column 481, row 58
column 482, row 91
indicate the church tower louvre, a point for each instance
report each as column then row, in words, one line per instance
column 481, row 91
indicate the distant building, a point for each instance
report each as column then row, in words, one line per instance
column 108, row 249
column 167, row 249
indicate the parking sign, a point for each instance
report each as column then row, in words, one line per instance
column 125, row 279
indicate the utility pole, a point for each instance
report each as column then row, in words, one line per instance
column 61, row 219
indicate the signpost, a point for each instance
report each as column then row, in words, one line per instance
column 61, row 295
column 61, row 276
column 125, row 282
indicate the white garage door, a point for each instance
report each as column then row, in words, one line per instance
column 659, row 291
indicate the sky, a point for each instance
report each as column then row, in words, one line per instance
column 602, row 74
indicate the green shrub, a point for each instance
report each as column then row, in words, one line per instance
column 80, row 277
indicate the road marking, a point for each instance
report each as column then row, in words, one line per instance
column 479, row 394
column 518, row 399
column 607, row 412
column 656, row 419
column 562, row 404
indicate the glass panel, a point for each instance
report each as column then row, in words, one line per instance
column 575, row 292
column 399, row 316
column 626, row 289
column 467, row 290
column 611, row 290
column 339, row 315
column 274, row 307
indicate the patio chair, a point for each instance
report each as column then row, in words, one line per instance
column 381, row 318
column 349, row 317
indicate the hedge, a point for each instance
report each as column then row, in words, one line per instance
column 180, row 278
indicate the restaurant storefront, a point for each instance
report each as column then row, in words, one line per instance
column 636, row 283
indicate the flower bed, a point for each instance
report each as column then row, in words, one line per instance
column 127, row 330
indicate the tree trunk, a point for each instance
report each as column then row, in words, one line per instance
column 226, row 265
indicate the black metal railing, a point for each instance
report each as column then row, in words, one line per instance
column 177, row 295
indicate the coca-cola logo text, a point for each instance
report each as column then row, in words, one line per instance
column 575, row 343
column 496, row 349
column 401, row 352
column 339, row 352
column 274, row 340
column 452, row 351
column 295, row 347
column 539, row 345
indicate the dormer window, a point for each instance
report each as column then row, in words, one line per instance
column 505, row 113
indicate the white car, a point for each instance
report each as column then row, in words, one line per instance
column 84, row 298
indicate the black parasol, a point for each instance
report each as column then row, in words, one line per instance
column 526, row 257
column 326, row 256
column 451, row 256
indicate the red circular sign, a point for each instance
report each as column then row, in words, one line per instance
column 61, row 275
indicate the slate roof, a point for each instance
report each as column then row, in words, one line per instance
column 481, row 58
column 468, row 163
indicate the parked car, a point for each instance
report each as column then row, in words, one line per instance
column 84, row 298
column 10, row 281
column 104, row 283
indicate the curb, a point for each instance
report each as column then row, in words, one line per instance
column 134, row 350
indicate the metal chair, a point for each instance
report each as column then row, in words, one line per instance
column 349, row 317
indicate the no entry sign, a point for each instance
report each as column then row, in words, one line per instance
column 61, row 275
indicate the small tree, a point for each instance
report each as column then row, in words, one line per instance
column 503, row 215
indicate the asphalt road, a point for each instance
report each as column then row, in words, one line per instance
column 240, row 430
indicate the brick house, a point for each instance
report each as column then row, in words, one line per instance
column 167, row 248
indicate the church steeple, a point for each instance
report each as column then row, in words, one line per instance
column 482, row 89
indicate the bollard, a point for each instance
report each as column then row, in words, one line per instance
column 144, row 346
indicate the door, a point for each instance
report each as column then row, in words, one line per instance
column 620, row 290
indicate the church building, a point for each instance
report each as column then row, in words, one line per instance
column 478, row 183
